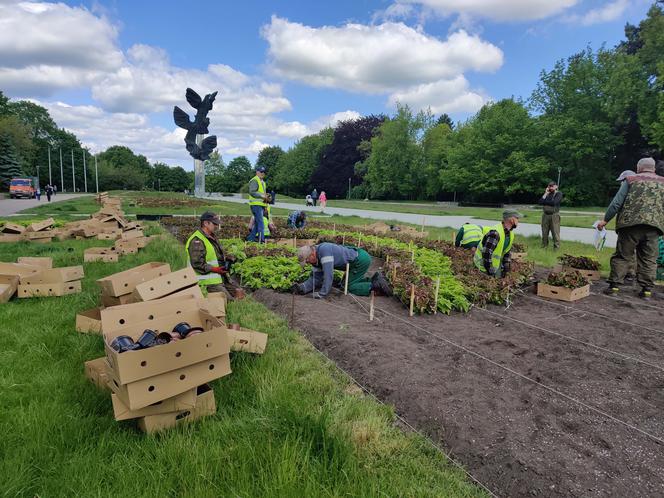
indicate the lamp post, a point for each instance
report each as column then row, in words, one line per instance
column 559, row 170
column 62, row 175
column 73, row 178
column 50, row 180
column 96, row 175
column 85, row 174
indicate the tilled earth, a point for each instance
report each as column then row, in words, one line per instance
column 514, row 394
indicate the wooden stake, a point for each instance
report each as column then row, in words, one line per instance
column 412, row 255
column 343, row 239
column 394, row 273
column 359, row 240
column 346, row 284
column 375, row 242
column 292, row 311
column 387, row 260
column 453, row 236
column 423, row 220
column 294, row 241
column 435, row 303
column 334, row 229
column 371, row 307
column 412, row 299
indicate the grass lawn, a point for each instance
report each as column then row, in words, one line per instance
column 288, row 422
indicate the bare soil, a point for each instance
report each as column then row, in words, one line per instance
column 512, row 434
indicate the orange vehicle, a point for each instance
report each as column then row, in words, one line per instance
column 23, row 187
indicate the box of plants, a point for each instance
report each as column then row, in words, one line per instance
column 519, row 252
column 588, row 267
column 564, row 286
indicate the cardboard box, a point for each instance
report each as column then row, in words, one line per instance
column 103, row 254
column 591, row 275
column 11, row 237
column 109, row 301
column 107, row 236
column 54, row 275
column 49, row 290
column 125, row 282
column 247, row 340
column 184, row 401
column 64, row 234
column 19, row 269
column 43, row 234
column 8, row 287
column 215, row 304
column 12, row 228
column 97, row 371
column 132, row 234
column 89, row 321
column 562, row 293
column 126, row 246
column 46, row 240
column 41, row 225
column 161, row 316
column 166, row 284
column 205, row 405
column 144, row 392
column 44, row 262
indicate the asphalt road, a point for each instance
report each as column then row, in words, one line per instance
column 12, row 206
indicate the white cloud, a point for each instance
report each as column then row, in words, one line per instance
column 373, row 59
column 45, row 47
column 606, row 13
column 497, row 10
column 332, row 120
column 441, row 96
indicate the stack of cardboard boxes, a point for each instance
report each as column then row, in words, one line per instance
column 41, row 232
column 36, row 277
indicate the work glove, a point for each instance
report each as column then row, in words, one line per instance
column 219, row 269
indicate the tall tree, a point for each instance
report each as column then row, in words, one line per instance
column 238, row 173
column 214, row 172
column 337, row 166
column 269, row 157
column 9, row 163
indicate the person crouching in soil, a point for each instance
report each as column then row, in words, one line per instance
column 493, row 252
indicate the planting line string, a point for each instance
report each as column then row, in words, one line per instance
column 615, row 298
column 583, row 310
column 569, row 338
column 525, row 377
column 406, row 423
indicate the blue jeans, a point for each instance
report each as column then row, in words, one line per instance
column 258, row 231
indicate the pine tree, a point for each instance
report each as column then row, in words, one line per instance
column 9, row 163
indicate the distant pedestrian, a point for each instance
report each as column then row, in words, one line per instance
column 310, row 201
column 55, row 189
column 49, row 192
column 314, row 196
column 550, row 202
column 273, row 197
column 323, row 200
column 38, row 194
column 639, row 206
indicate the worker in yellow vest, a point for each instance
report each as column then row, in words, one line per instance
column 468, row 236
column 207, row 259
column 258, row 200
column 492, row 255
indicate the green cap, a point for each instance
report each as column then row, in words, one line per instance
column 511, row 213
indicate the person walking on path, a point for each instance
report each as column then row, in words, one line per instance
column 49, row 192
column 492, row 255
column 314, row 196
column 322, row 198
column 550, row 202
column 639, row 206
column 258, row 199
column 206, row 257
column 468, row 236
column 297, row 219
column 327, row 257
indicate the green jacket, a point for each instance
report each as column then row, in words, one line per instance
column 640, row 201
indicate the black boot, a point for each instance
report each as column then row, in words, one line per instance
column 380, row 285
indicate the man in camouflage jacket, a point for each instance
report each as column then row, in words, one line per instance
column 639, row 205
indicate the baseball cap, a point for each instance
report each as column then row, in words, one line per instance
column 625, row 174
column 210, row 216
column 511, row 213
column 260, row 169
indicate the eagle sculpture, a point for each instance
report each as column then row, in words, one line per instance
column 199, row 126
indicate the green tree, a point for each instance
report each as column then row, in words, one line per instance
column 269, row 157
column 445, row 119
column 21, row 137
column 214, row 172
column 9, row 163
column 435, row 147
column 126, row 169
column 238, row 173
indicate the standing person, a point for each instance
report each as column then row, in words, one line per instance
column 38, row 193
column 49, row 192
column 492, row 255
column 639, row 205
column 55, row 189
column 314, row 196
column 297, row 219
column 258, row 199
column 630, row 276
column 206, row 257
column 327, row 257
column 322, row 198
column 468, row 236
column 550, row 202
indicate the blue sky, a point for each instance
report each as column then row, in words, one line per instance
column 111, row 71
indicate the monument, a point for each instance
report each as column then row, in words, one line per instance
column 199, row 148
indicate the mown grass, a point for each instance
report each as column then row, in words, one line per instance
column 288, row 422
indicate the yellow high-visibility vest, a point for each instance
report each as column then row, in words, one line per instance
column 205, row 279
column 498, row 253
column 261, row 190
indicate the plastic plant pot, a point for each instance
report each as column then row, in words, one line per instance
column 123, row 343
column 184, row 329
column 148, row 339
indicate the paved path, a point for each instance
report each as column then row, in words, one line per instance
column 13, row 206
column 585, row 235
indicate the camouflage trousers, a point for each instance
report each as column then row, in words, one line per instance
column 551, row 223
column 228, row 288
column 642, row 239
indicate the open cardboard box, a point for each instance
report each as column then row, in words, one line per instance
column 184, row 401
column 96, row 370
column 43, row 234
column 126, row 246
column 108, row 301
column 205, row 405
column 41, row 225
column 89, row 321
column 44, row 262
column 246, row 340
column 562, row 293
column 103, row 254
column 148, row 391
column 54, row 275
column 49, row 290
column 166, row 284
column 12, row 228
column 8, row 287
column 125, row 282
column 161, row 316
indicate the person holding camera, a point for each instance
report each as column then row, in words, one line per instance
column 550, row 202
column 207, row 258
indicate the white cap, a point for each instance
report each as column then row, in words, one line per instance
column 625, row 174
